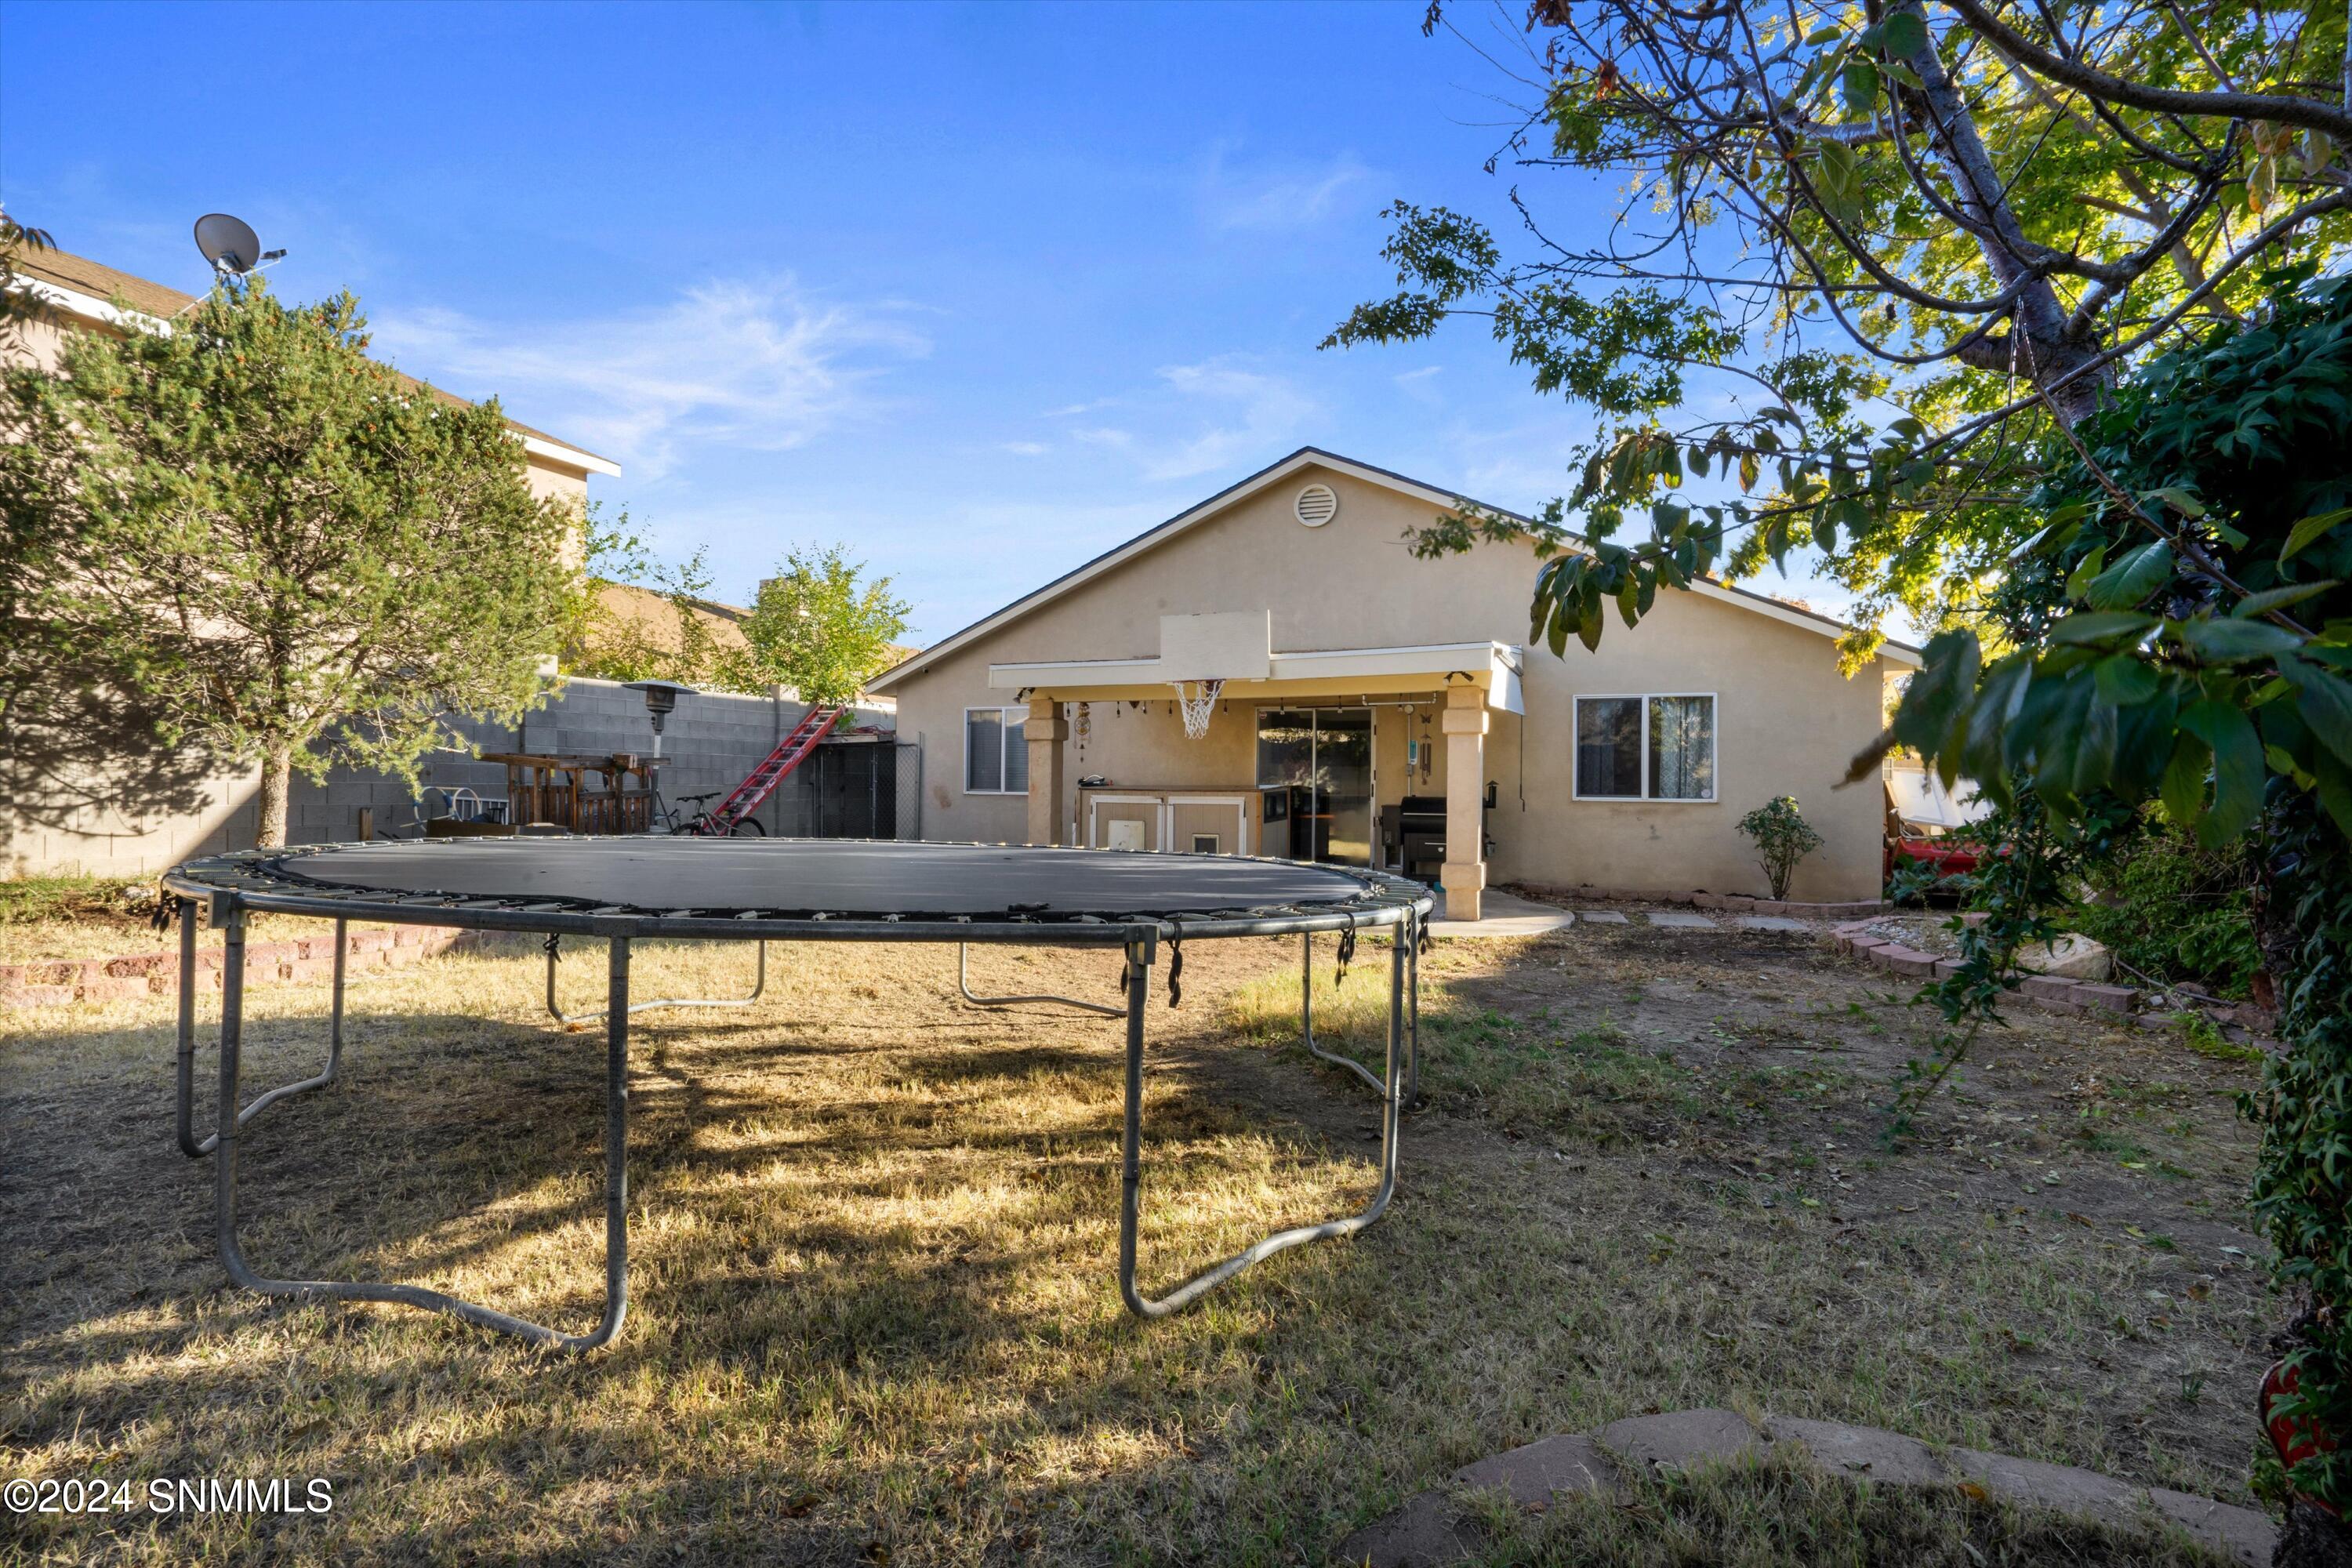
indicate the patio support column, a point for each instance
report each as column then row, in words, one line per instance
column 1046, row 730
column 1464, row 874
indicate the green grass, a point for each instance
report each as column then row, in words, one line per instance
column 26, row 900
column 872, row 1314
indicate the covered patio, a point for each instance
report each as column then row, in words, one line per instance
column 1333, row 754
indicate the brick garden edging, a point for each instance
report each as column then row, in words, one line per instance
column 2050, row 991
column 65, row 981
column 1430, row 1530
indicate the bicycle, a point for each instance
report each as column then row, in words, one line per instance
column 700, row 825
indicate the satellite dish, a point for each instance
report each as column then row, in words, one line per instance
column 229, row 243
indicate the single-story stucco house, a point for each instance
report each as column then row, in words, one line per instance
column 1367, row 694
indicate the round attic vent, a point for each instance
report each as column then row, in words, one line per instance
column 1317, row 505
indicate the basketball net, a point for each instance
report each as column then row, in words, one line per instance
column 1197, row 705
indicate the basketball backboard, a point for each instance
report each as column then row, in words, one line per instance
column 1235, row 644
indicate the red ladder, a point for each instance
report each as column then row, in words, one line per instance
column 760, row 783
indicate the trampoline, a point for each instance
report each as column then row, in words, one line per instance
column 620, row 890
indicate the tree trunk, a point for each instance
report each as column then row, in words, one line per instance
column 277, row 780
column 2039, row 343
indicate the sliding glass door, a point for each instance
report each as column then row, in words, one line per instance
column 1323, row 756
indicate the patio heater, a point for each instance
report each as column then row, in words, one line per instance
column 661, row 697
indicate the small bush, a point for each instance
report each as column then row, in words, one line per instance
column 2174, row 911
column 1782, row 838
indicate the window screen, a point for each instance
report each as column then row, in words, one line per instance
column 1682, row 748
column 995, row 752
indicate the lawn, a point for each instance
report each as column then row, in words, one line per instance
column 874, row 1315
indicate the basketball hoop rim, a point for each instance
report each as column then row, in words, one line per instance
column 1197, row 706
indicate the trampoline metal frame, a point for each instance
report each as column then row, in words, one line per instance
column 231, row 895
column 963, row 984
column 554, row 948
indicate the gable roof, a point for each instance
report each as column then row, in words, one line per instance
column 1273, row 474
column 89, row 289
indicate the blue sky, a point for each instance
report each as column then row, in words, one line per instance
column 977, row 291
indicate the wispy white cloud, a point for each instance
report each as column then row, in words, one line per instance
column 1277, row 195
column 762, row 365
column 1202, row 417
column 1027, row 448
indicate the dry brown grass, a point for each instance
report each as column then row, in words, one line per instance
column 874, row 1313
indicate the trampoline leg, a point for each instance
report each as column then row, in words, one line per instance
column 190, row 1145
column 554, row 947
column 1139, row 959
column 963, row 984
column 616, row 1178
column 1306, row 1016
column 1410, row 935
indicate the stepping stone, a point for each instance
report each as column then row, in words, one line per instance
column 1602, row 917
column 1680, row 1438
column 1865, row 1453
column 1770, row 922
column 1423, row 1534
column 1683, row 918
column 1535, row 1474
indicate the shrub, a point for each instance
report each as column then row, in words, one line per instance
column 2174, row 911
column 1782, row 838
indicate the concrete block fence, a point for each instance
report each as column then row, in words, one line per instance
column 710, row 742
column 61, row 983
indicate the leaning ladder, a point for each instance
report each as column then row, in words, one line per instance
column 761, row 781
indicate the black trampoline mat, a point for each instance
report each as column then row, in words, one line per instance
column 851, row 878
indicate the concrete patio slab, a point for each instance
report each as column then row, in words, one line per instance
column 1770, row 922
column 1502, row 914
column 1683, row 918
column 1602, row 917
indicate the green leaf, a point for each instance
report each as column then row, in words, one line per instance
column 2323, row 699
column 2096, row 626
column 2300, row 537
column 1902, row 35
column 2078, row 582
column 1938, row 694
column 2232, row 641
column 2126, row 681
column 1859, row 84
column 2183, row 501
column 2183, row 789
column 2270, row 599
column 2133, row 578
column 2239, row 769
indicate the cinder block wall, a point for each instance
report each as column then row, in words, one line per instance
column 710, row 742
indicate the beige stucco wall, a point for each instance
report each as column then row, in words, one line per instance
column 1787, row 720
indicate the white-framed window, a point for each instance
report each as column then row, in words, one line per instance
column 995, row 750
column 1654, row 746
